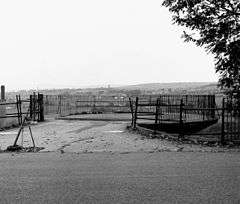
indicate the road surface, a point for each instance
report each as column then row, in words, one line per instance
column 162, row 177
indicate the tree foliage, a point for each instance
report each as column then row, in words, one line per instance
column 215, row 25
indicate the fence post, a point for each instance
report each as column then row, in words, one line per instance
column 3, row 96
column 135, row 115
column 94, row 105
column 41, row 108
column 181, row 120
column 31, row 106
column 18, row 110
column 131, row 109
column 46, row 105
column 156, row 116
column 59, row 110
column 34, row 106
column 213, row 106
column 223, row 123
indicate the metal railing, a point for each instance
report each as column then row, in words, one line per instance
column 71, row 105
column 189, row 117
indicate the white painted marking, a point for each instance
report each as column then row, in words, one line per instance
column 8, row 133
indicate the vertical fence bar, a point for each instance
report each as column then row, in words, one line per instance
column 41, row 107
column 18, row 111
column 136, row 113
column 37, row 107
column 181, row 119
column 227, row 127
column 131, row 109
column 59, row 111
column 223, row 123
column 94, row 105
column 156, row 116
column 3, row 95
column 231, row 121
column 31, row 106
column 46, row 105
column 34, row 106
column 212, row 107
column 186, row 103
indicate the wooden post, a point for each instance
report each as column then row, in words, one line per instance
column 21, row 129
column 135, row 114
column 223, row 123
column 181, row 119
column 30, row 130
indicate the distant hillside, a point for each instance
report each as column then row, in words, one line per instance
column 175, row 88
column 150, row 88
column 177, row 85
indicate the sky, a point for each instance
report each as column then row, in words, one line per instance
column 79, row 43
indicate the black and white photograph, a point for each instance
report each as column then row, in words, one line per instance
column 120, row 102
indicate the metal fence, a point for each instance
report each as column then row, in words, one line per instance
column 14, row 111
column 82, row 104
column 174, row 107
column 186, row 115
column 65, row 105
column 230, row 119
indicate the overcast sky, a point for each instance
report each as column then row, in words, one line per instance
column 75, row 43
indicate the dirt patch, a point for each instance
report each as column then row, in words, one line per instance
column 88, row 127
column 21, row 149
column 79, row 140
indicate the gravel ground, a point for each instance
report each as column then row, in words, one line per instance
column 93, row 136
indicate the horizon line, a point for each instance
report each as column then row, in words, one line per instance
column 103, row 86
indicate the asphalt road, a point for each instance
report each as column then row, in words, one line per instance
column 165, row 177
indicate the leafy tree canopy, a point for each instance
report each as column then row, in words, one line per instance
column 215, row 25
